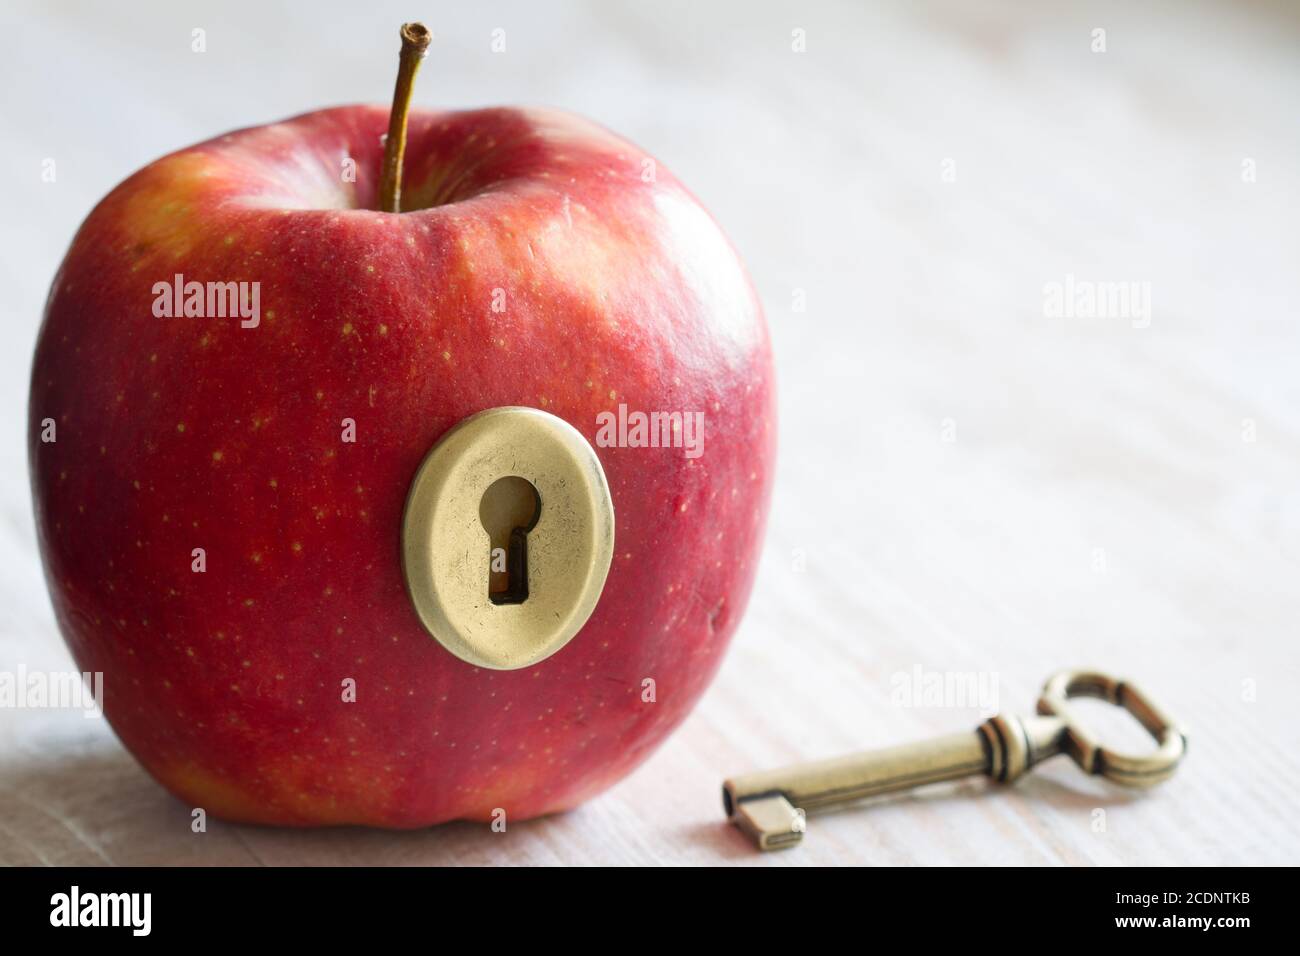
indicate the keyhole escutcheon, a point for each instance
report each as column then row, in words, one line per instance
column 509, row 510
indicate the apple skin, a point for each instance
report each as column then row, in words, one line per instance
column 181, row 433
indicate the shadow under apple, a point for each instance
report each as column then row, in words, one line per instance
column 88, row 803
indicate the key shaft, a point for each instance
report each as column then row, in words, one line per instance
column 769, row 805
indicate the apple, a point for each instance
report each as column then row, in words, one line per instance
column 242, row 364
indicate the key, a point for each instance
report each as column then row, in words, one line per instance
column 770, row 807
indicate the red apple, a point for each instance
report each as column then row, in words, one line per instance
column 611, row 286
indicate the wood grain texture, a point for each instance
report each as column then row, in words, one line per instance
column 966, row 484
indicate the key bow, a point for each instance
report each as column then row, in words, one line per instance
column 1088, row 753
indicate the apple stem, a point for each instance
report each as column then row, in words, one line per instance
column 415, row 44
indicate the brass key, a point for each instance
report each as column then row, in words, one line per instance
column 770, row 806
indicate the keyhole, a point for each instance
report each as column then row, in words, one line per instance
column 509, row 510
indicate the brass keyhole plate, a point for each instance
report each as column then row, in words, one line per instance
column 444, row 542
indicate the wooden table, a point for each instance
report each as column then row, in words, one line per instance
column 972, row 481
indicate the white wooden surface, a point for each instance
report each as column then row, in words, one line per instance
column 965, row 483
